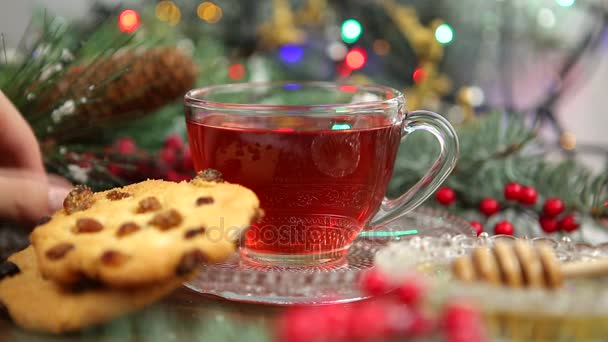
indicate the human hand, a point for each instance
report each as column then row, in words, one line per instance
column 27, row 193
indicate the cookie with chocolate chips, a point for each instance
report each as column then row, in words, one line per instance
column 39, row 304
column 145, row 232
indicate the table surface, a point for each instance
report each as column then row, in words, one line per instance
column 183, row 316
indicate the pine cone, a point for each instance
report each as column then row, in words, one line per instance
column 125, row 85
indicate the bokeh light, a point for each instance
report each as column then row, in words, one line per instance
column 336, row 50
column 418, row 75
column 343, row 70
column 128, row 20
column 291, row 53
column 165, row 10
column 237, row 71
column 444, row 34
column 565, row 3
column 351, row 31
column 546, row 18
column 381, row 47
column 209, row 12
column 568, row 141
column 356, row 58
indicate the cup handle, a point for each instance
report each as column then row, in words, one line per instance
column 439, row 127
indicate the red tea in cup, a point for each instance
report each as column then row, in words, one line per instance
column 318, row 155
column 318, row 187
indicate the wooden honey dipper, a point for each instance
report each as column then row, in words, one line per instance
column 520, row 264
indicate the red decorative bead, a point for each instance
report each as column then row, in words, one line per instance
column 369, row 322
column 548, row 224
column 512, row 191
column 411, row 291
column 504, row 228
column 553, row 207
column 477, row 227
column 174, row 141
column 462, row 322
column 167, row 155
column 126, row 146
column 374, row 283
column 295, row 326
column 528, row 195
column 489, row 206
column 445, row 195
column 568, row 223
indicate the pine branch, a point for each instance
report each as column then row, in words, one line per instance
column 496, row 150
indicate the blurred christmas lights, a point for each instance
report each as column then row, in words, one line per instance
column 565, row 3
column 168, row 11
column 356, row 58
column 291, row 53
column 351, row 31
column 444, row 34
column 236, row 71
column 128, row 21
column 209, row 12
column 418, row 75
column 336, row 51
column 381, row 47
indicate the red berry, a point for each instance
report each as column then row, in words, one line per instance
column 504, row 228
column 126, row 146
column 462, row 321
column 360, row 329
column 528, row 195
column 374, row 283
column 337, row 319
column 553, row 207
column 477, row 227
column 489, row 206
column 548, row 224
column 568, row 223
column 296, row 326
column 173, row 176
column 174, row 142
column 512, row 191
column 187, row 164
column 445, row 195
column 411, row 291
column 114, row 169
column 167, row 155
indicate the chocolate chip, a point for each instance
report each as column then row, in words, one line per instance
column 194, row 232
column 210, row 175
column 43, row 220
column 127, row 229
column 166, row 220
column 87, row 225
column 204, row 200
column 116, row 195
column 59, row 251
column 8, row 269
column 79, row 198
column 148, row 204
column 113, row 258
column 190, row 261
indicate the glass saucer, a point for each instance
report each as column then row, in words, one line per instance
column 234, row 280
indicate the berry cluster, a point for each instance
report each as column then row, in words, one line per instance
column 397, row 314
column 173, row 162
column 551, row 219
